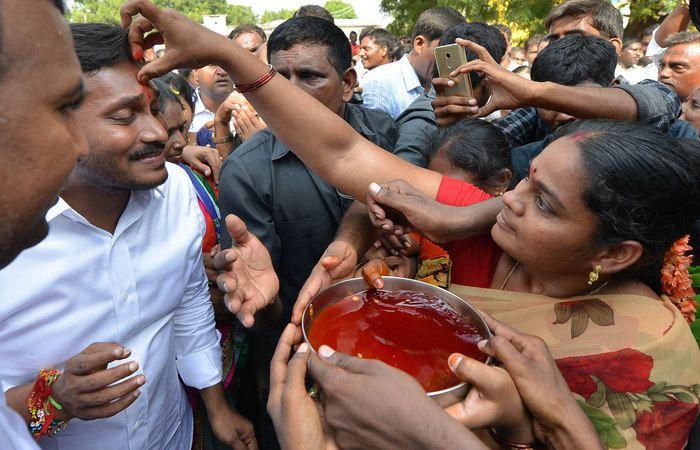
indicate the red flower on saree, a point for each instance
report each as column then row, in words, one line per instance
column 667, row 426
column 625, row 370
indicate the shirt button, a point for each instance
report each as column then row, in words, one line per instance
column 125, row 296
column 138, row 424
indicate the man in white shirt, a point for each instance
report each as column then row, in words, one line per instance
column 393, row 87
column 214, row 87
column 628, row 63
column 122, row 263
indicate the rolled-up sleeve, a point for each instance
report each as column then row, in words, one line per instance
column 657, row 104
column 197, row 349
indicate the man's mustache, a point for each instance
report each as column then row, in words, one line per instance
column 147, row 150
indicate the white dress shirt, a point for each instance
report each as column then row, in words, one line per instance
column 635, row 74
column 201, row 114
column 14, row 432
column 143, row 287
column 391, row 87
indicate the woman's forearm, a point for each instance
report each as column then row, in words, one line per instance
column 321, row 138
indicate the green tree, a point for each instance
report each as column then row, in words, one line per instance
column 282, row 14
column 340, row 9
column 95, row 11
column 525, row 17
column 644, row 13
column 108, row 10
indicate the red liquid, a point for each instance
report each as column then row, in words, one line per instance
column 410, row 330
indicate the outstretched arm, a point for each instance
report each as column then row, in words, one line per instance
column 323, row 140
column 510, row 91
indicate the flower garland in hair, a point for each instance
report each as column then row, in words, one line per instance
column 675, row 278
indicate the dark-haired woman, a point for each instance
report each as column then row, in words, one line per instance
column 600, row 207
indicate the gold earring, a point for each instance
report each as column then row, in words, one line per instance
column 593, row 276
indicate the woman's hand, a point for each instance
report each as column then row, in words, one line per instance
column 247, row 122
column 492, row 401
column 187, row 44
column 558, row 420
column 203, row 159
column 296, row 416
column 398, row 208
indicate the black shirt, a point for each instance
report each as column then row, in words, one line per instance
column 288, row 207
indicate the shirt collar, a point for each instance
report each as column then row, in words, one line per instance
column 408, row 73
column 199, row 105
column 351, row 116
column 62, row 207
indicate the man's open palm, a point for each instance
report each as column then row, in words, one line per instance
column 247, row 275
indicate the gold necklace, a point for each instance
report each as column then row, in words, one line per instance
column 510, row 274
column 515, row 266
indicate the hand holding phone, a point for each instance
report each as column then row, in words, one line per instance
column 449, row 58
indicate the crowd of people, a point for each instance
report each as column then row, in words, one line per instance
column 193, row 192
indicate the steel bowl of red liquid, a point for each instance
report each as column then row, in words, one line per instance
column 409, row 324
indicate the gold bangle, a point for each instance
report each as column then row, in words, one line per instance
column 222, row 140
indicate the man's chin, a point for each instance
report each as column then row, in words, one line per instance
column 152, row 180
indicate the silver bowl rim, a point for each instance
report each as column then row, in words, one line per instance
column 448, row 390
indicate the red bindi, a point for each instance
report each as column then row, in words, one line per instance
column 579, row 137
column 147, row 91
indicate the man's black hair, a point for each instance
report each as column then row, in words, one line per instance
column 648, row 31
column 100, row 45
column 626, row 42
column 314, row 11
column 574, row 59
column 434, row 21
column 310, row 30
column 602, row 15
column 247, row 28
column 381, row 37
column 505, row 29
column 485, row 35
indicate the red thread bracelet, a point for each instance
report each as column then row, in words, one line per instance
column 258, row 83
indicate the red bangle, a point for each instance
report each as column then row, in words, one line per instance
column 258, row 83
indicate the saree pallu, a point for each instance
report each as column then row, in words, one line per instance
column 630, row 361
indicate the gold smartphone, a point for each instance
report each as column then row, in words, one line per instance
column 448, row 58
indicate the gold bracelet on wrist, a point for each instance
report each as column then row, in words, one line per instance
column 222, row 140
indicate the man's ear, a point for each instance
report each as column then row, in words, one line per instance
column 617, row 43
column 384, row 51
column 420, row 44
column 349, row 84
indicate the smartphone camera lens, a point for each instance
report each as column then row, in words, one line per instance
column 448, row 55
